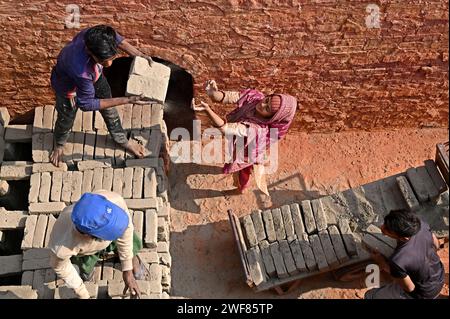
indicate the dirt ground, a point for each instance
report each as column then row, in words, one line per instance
column 205, row 261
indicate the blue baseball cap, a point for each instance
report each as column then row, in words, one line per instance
column 94, row 215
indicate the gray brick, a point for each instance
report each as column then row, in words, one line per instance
column 35, row 182
column 37, row 142
column 338, row 244
column 328, row 249
column 288, row 222
column 27, row 277
column 154, row 145
column 138, row 178
column 297, row 221
column 127, row 191
column 278, row 260
column 38, row 282
column 86, row 185
column 278, row 224
column 269, row 226
column 151, row 228
column 150, row 183
column 417, row 184
column 435, row 176
column 108, row 175
column 249, row 230
column 310, row 223
column 30, row 226
column 347, row 236
column 319, row 254
column 144, row 162
column 287, row 257
column 55, row 191
column 77, row 180
column 118, row 181
column 407, row 193
column 36, row 253
column 78, row 146
column 259, row 225
column 10, row 265
column 376, row 232
column 375, row 244
column 319, row 214
column 269, row 266
column 97, row 179
column 33, row 264
column 47, row 147
column 255, row 265
column 18, row 133
column 66, row 191
column 39, row 231
column 297, row 255
column 308, row 254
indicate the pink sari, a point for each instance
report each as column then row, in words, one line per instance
column 259, row 131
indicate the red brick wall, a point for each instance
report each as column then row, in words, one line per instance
column 345, row 75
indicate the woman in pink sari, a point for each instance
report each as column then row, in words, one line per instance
column 254, row 117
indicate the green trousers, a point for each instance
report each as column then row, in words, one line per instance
column 87, row 263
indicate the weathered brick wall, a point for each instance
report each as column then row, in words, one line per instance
column 344, row 74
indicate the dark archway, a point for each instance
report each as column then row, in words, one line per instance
column 177, row 108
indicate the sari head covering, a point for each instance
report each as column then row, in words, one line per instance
column 259, row 128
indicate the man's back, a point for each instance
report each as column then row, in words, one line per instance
column 418, row 259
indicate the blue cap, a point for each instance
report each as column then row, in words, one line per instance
column 94, row 215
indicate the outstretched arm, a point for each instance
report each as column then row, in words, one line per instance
column 219, row 96
column 216, row 119
column 133, row 51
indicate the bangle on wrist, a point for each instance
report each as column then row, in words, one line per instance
column 223, row 96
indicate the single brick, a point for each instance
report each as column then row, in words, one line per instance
column 138, row 222
column 46, row 208
column 37, row 144
column 157, row 116
column 39, row 231
column 255, row 265
column 407, row 193
column 278, row 224
column 338, row 244
column 268, row 223
column 138, row 178
column 27, row 277
column 10, row 265
column 310, row 223
column 288, row 222
column 127, row 114
column 47, row 147
column 249, row 229
column 55, row 191
column 18, row 292
column 88, row 120
column 49, row 167
column 308, row 254
column 108, row 175
column 319, row 214
column 17, row 170
column 35, row 183
column 36, row 253
column 33, row 264
column 287, row 257
column 154, row 144
column 376, row 232
column 118, row 181
column 38, row 119
column 347, row 236
column 99, row 122
column 47, row 121
column 375, row 244
column 435, row 176
column 298, row 255
column 162, row 247
column 66, row 191
column 93, row 164
column 297, row 221
column 144, row 162
column 68, row 150
column 269, row 266
column 149, row 257
column 146, row 115
column 151, row 228
column 139, row 204
column 18, row 133
column 108, row 271
column 78, row 146
column 150, row 183
column 78, row 122
column 319, row 254
column 89, row 145
column 48, row 232
column 136, row 116
column 30, row 226
column 97, row 179
column 328, row 249
column 127, row 191
column 68, row 293
column 418, row 185
column 259, row 225
column 165, row 259
column 86, row 186
column 77, row 181
column 278, row 261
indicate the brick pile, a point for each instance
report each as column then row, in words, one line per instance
column 90, row 166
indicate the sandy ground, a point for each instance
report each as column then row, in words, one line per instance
column 205, row 258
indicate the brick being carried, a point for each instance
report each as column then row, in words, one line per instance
column 278, row 224
column 269, row 226
column 374, row 244
column 288, row 222
column 310, row 223
column 376, row 232
column 258, row 225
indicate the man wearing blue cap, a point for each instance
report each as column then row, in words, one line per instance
column 99, row 222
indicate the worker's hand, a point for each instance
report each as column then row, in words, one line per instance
column 82, row 292
column 131, row 284
column 199, row 107
column 148, row 58
column 138, row 99
column 211, row 87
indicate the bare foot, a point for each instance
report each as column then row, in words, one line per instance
column 56, row 156
column 135, row 148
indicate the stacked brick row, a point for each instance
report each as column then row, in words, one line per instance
column 286, row 241
column 89, row 138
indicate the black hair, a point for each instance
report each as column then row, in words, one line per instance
column 402, row 222
column 101, row 41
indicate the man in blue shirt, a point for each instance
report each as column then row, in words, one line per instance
column 78, row 83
